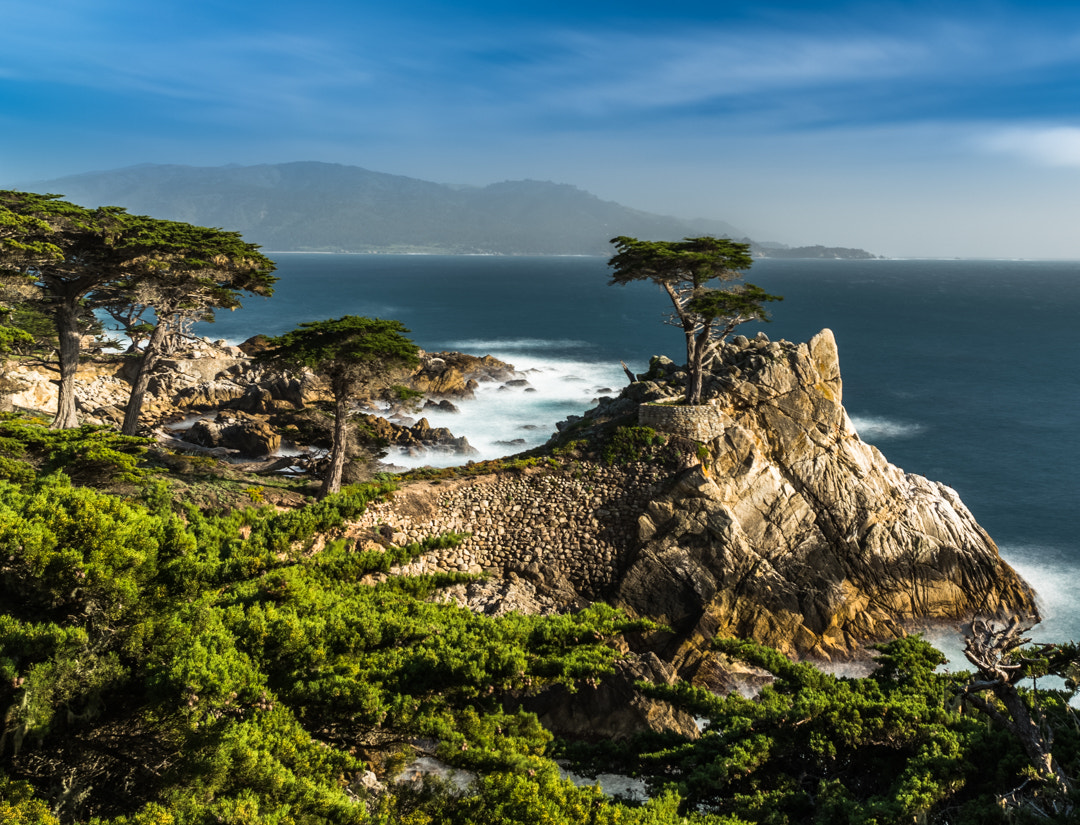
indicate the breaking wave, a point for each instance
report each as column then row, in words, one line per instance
column 504, row 418
column 872, row 428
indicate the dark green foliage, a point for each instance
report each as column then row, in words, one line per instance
column 344, row 344
column 696, row 261
column 87, row 454
column 224, row 647
column 894, row 747
column 28, row 319
column 14, row 339
column 629, row 444
column 737, row 305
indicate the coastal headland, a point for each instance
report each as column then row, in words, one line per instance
column 759, row 514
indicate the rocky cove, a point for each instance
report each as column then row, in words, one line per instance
column 762, row 514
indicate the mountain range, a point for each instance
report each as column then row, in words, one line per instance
column 324, row 207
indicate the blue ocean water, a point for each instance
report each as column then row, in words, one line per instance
column 962, row 371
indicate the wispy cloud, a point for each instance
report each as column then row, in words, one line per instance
column 1047, row 146
column 643, row 71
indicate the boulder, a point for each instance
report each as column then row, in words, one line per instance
column 457, row 375
column 248, row 435
column 444, row 406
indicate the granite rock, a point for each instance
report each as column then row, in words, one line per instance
column 790, row 530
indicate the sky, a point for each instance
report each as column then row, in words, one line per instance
column 909, row 129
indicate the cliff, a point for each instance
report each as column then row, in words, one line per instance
column 764, row 516
column 793, row 531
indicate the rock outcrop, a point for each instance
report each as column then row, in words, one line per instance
column 456, row 374
column 418, row 437
column 210, row 376
column 791, row 530
column 763, row 516
column 246, row 434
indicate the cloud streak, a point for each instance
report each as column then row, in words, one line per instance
column 1055, row 146
column 776, row 101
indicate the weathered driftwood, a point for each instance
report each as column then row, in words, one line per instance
column 992, row 649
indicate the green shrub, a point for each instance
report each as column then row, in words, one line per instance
column 629, row 444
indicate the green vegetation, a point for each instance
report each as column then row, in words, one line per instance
column 64, row 260
column 162, row 662
column 357, row 356
column 684, row 270
column 902, row 745
column 628, row 444
column 91, row 455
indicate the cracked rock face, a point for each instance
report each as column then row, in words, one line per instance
column 794, row 532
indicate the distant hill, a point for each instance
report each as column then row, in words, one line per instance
column 329, row 207
column 325, row 207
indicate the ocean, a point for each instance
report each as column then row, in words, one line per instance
column 961, row 371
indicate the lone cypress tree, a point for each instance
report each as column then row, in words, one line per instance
column 685, row 270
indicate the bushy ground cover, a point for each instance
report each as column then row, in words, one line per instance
column 162, row 662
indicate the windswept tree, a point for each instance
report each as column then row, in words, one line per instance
column 686, row 270
column 185, row 272
column 1002, row 662
column 78, row 259
column 358, row 356
column 67, row 252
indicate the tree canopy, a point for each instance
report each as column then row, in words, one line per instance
column 686, row 270
column 79, row 258
column 356, row 355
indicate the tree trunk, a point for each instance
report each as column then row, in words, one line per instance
column 1031, row 737
column 695, row 365
column 688, row 332
column 67, row 328
column 142, row 378
column 332, row 482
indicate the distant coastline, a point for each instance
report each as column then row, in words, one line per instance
column 336, row 209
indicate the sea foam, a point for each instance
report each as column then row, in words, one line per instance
column 502, row 420
column 873, row 428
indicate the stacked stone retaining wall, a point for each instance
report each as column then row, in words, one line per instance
column 700, row 423
column 581, row 523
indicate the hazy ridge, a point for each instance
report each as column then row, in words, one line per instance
column 324, row 207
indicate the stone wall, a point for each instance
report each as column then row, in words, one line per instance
column 700, row 423
column 579, row 522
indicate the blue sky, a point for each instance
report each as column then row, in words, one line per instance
column 909, row 129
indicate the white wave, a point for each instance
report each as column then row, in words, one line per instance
column 1053, row 576
column 873, row 428
column 503, row 420
column 480, row 346
column 611, row 784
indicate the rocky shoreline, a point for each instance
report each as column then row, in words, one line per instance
column 762, row 515
column 210, row 397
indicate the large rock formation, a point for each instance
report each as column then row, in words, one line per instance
column 791, row 530
column 763, row 516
